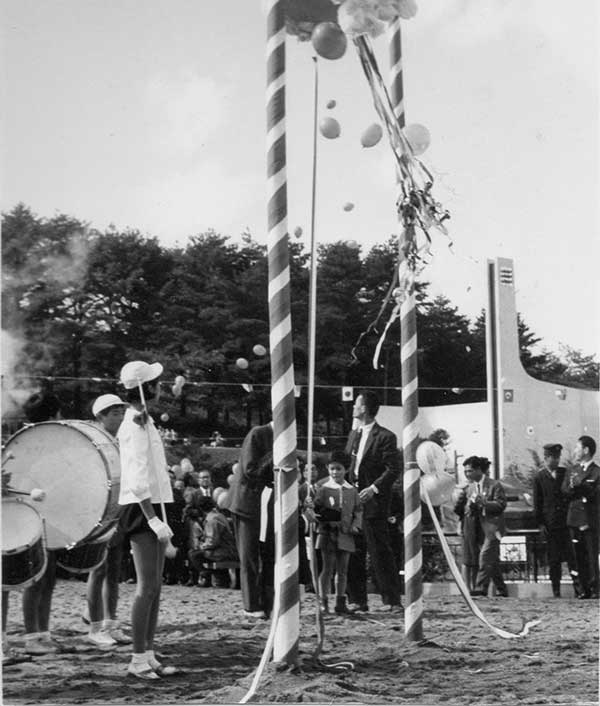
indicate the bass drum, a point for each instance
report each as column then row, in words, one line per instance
column 24, row 557
column 77, row 465
column 85, row 557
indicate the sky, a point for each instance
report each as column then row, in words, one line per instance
column 151, row 115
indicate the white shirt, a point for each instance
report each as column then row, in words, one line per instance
column 366, row 430
column 143, row 463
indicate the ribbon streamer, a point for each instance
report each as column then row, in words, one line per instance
column 527, row 625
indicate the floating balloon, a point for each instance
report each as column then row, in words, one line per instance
column 260, row 350
column 242, row 363
column 164, row 417
column 371, row 135
column 177, row 471
column 223, row 500
column 180, row 381
column 217, row 492
column 329, row 41
column 236, row 468
column 298, row 232
column 418, row 137
column 439, row 487
column 352, row 244
column 329, row 128
column 231, row 479
column 431, row 458
column 186, row 465
column 331, row 104
column 348, row 206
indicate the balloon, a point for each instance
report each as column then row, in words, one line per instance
column 164, row 417
column 352, row 244
column 329, row 41
column 407, row 9
column 371, row 135
column 216, row 493
column 418, row 137
column 231, row 479
column 180, row 380
column 439, row 486
column 186, row 465
column 329, row 128
column 177, row 471
column 236, row 468
column 223, row 500
column 298, row 232
column 331, row 104
column 348, row 206
column 242, row 363
column 431, row 458
column 259, row 350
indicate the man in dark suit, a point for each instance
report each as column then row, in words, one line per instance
column 581, row 487
column 373, row 470
column 550, row 508
column 251, row 499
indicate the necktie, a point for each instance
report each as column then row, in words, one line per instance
column 354, row 450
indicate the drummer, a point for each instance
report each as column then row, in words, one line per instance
column 37, row 598
column 145, row 485
column 103, row 581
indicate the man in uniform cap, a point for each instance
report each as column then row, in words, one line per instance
column 550, row 507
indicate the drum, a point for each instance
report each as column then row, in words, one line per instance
column 23, row 554
column 84, row 557
column 77, row 465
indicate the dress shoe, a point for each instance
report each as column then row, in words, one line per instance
column 501, row 594
column 475, row 593
column 358, row 608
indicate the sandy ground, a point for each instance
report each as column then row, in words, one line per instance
column 202, row 631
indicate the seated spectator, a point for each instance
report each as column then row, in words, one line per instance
column 216, row 439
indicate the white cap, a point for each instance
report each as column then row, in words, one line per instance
column 136, row 372
column 104, row 402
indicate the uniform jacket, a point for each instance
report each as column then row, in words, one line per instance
column 256, row 472
column 491, row 514
column 380, row 467
column 328, row 496
column 549, row 503
column 581, row 488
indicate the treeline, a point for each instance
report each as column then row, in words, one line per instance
column 78, row 302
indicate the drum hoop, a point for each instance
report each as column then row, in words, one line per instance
column 41, row 534
column 86, row 570
column 33, row 579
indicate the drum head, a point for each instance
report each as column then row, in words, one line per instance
column 74, row 463
column 21, row 525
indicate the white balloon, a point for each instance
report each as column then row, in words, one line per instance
column 352, row 244
column 348, row 206
column 439, row 486
column 186, row 465
column 371, row 135
column 259, row 350
column 431, row 458
column 418, row 137
column 180, row 380
column 242, row 363
column 331, row 104
column 298, row 232
column 216, row 493
column 164, row 417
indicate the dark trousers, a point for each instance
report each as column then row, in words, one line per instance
column 559, row 549
column 585, row 548
column 257, row 564
column 376, row 541
column 489, row 566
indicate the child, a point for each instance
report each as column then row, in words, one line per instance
column 339, row 516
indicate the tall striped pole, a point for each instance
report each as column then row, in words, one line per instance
column 413, row 556
column 287, row 596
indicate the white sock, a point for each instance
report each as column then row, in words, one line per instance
column 108, row 624
column 95, row 626
column 151, row 657
column 139, row 658
column 45, row 635
column 32, row 636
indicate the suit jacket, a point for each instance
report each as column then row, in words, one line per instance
column 491, row 513
column 581, row 490
column 379, row 466
column 351, row 514
column 549, row 503
column 256, row 472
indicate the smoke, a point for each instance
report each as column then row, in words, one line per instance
column 14, row 390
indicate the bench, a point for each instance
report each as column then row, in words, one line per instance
column 233, row 567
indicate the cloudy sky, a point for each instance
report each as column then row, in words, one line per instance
column 150, row 114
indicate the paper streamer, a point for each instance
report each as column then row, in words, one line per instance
column 462, row 587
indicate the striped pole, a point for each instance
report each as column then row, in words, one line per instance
column 413, row 556
column 287, row 596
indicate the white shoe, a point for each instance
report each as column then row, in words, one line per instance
column 119, row 636
column 101, row 638
column 142, row 671
column 254, row 613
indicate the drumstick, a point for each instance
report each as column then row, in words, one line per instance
column 170, row 550
column 36, row 494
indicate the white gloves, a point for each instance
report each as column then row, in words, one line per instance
column 161, row 529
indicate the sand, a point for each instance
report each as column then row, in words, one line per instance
column 203, row 632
